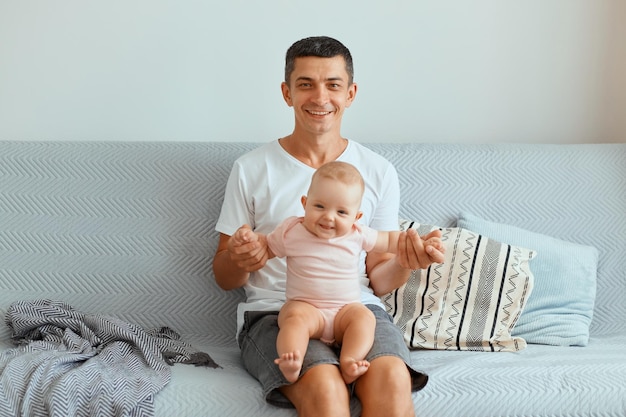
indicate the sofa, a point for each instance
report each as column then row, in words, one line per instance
column 125, row 231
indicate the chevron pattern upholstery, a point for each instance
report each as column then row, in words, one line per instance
column 127, row 229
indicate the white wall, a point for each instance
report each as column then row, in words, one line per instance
column 428, row 71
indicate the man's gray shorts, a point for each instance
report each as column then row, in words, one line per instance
column 257, row 340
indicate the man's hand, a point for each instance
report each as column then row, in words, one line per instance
column 419, row 252
column 248, row 250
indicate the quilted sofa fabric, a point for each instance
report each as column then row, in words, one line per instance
column 127, row 229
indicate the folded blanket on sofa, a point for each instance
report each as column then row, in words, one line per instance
column 72, row 363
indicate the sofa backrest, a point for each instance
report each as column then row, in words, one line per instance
column 118, row 228
column 575, row 193
column 127, row 228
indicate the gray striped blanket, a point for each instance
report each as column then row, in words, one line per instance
column 69, row 363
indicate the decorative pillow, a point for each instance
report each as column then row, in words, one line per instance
column 561, row 308
column 471, row 301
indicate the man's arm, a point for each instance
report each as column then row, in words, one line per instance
column 228, row 274
column 384, row 272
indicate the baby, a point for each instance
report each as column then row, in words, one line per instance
column 323, row 290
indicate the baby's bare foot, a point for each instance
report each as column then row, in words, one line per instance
column 290, row 364
column 351, row 369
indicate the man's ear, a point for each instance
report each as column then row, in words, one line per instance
column 286, row 93
column 303, row 201
column 351, row 94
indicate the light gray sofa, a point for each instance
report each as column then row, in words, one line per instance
column 127, row 229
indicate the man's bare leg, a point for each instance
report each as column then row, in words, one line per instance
column 320, row 392
column 385, row 389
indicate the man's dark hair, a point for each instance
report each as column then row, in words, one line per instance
column 319, row 46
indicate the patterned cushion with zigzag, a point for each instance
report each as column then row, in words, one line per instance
column 472, row 301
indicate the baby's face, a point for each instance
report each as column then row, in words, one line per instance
column 331, row 208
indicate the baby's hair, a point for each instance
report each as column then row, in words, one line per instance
column 340, row 171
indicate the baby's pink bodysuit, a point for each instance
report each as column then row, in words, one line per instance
column 322, row 272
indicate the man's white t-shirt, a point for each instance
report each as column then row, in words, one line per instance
column 264, row 188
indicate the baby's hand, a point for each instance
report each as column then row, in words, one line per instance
column 243, row 235
column 435, row 249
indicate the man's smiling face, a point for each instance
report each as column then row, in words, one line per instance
column 319, row 90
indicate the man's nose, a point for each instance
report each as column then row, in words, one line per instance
column 321, row 96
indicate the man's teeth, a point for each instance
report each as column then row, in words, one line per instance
column 319, row 113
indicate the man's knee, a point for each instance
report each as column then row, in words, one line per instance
column 386, row 386
column 319, row 392
column 390, row 370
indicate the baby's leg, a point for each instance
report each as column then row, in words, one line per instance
column 298, row 321
column 354, row 329
column 290, row 364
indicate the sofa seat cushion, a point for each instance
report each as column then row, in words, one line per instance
column 539, row 381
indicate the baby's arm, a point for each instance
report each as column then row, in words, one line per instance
column 387, row 241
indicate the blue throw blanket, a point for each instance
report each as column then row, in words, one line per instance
column 73, row 364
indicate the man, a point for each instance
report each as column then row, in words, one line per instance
column 263, row 189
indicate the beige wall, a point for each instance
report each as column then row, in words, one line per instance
column 428, row 71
